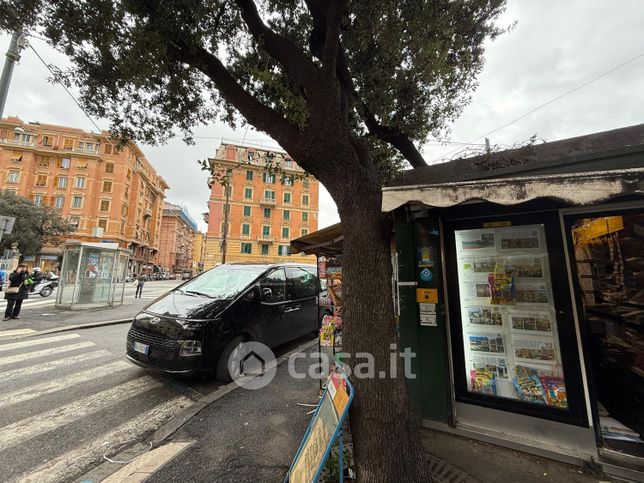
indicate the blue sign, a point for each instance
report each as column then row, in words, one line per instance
column 426, row 275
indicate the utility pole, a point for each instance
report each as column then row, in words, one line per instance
column 18, row 42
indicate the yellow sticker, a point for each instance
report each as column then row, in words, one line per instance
column 427, row 295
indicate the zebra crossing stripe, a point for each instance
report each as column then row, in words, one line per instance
column 37, row 390
column 44, row 353
column 16, row 332
column 75, row 462
column 50, row 366
column 28, row 428
column 31, row 343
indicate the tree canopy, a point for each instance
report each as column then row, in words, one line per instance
column 154, row 68
column 35, row 226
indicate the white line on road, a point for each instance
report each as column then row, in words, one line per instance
column 7, row 376
column 146, row 465
column 27, row 303
column 20, row 431
column 37, row 390
column 34, row 342
column 44, row 353
column 15, row 332
column 73, row 463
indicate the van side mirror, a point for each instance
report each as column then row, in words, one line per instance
column 254, row 294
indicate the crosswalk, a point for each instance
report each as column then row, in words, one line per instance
column 35, row 301
column 65, row 399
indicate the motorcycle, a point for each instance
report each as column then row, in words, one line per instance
column 45, row 287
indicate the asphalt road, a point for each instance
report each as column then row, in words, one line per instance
column 67, row 398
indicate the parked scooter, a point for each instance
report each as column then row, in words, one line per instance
column 46, row 286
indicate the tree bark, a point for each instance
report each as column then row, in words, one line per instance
column 385, row 430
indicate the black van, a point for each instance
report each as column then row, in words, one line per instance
column 197, row 325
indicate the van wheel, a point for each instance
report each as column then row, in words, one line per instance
column 222, row 373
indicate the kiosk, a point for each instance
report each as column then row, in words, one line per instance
column 92, row 275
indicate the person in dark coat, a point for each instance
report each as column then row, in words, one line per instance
column 18, row 278
column 139, row 286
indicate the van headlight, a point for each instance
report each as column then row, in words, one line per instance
column 190, row 348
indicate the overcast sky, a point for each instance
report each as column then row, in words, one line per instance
column 556, row 46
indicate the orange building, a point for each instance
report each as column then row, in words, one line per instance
column 107, row 194
column 265, row 210
column 177, row 240
column 198, row 252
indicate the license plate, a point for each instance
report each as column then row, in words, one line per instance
column 142, row 348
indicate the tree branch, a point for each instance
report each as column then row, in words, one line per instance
column 394, row 136
column 301, row 69
column 256, row 113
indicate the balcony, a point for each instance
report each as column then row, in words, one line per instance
column 266, row 238
column 267, row 201
column 84, row 151
column 17, row 142
column 244, row 237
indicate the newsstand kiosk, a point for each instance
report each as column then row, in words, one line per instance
column 521, row 289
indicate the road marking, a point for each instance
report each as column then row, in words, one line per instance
column 50, row 366
column 37, row 390
column 28, row 428
column 15, row 332
column 28, row 304
column 34, row 342
column 44, row 353
column 146, row 465
column 72, row 464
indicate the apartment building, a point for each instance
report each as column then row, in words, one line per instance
column 178, row 231
column 108, row 194
column 198, row 252
column 265, row 211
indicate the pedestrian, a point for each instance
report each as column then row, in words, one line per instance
column 18, row 290
column 139, row 286
column 36, row 278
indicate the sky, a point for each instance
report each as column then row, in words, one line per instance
column 555, row 47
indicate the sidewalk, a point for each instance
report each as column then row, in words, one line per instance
column 494, row 464
column 48, row 317
column 245, row 436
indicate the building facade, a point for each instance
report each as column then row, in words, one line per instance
column 176, row 244
column 198, row 252
column 108, row 194
column 265, row 211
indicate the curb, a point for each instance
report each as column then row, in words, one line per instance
column 71, row 327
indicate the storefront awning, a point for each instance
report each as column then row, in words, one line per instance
column 574, row 188
column 324, row 242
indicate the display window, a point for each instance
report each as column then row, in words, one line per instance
column 509, row 326
column 609, row 264
column 513, row 338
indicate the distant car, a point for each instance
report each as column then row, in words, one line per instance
column 186, row 276
column 199, row 324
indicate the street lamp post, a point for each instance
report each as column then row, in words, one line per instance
column 18, row 42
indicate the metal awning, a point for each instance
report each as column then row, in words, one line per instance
column 325, row 242
column 574, row 188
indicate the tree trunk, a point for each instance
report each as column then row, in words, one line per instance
column 386, row 433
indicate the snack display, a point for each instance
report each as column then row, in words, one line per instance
column 529, row 389
column 483, row 381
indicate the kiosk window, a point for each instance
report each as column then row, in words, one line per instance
column 510, row 337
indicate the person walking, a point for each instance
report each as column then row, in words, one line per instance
column 139, row 286
column 18, row 290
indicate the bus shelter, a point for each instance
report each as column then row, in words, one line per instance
column 92, row 275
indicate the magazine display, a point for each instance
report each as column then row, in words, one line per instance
column 509, row 326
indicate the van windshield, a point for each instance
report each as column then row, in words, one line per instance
column 224, row 281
